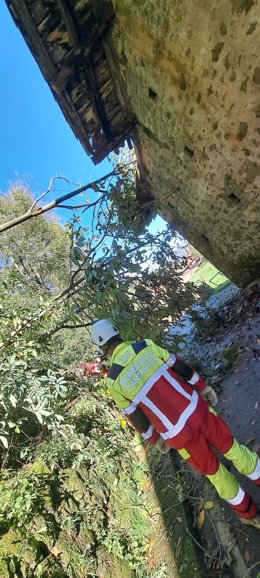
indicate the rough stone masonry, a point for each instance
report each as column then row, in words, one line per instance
column 190, row 72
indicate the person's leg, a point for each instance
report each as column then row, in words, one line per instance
column 229, row 489
column 218, row 434
column 202, row 458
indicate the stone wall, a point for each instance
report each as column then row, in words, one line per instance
column 191, row 75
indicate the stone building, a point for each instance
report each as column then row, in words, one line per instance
column 180, row 79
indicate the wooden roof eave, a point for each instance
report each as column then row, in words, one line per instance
column 103, row 135
column 55, row 80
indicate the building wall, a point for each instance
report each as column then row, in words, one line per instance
column 190, row 72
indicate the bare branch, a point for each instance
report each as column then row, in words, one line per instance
column 70, row 327
column 52, row 205
column 86, row 205
column 47, row 191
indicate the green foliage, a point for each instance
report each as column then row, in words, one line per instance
column 89, row 502
column 205, row 320
column 36, row 252
column 209, row 275
column 22, row 497
column 113, row 268
column 56, row 451
column 28, row 398
column 70, row 484
column 69, row 346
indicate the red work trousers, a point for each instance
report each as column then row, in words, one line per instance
column 215, row 432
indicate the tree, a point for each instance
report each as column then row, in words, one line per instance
column 116, row 267
column 37, row 253
column 54, row 282
column 57, row 280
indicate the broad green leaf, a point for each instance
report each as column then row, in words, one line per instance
column 4, row 441
column 13, row 400
column 39, row 417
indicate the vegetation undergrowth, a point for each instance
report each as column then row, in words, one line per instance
column 76, row 508
column 71, row 498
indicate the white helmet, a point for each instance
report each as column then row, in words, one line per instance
column 102, row 331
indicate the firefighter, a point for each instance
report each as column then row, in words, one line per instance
column 97, row 368
column 166, row 402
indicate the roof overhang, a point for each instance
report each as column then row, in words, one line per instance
column 68, row 39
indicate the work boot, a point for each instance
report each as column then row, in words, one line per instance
column 255, row 522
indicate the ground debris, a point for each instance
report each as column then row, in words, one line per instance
column 230, row 364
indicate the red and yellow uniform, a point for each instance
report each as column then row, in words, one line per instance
column 96, row 369
column 160, row 394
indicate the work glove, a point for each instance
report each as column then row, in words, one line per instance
column 162, row 446
column 210, row 395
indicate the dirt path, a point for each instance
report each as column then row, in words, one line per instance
column 239, row 398
column 240, row 406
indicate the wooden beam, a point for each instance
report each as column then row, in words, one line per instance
column 95, row 97
column 117, row 141
column 33, row 38
column 116, row 77
column 58, row 78
column 69, row 22
column 87, row 68
column 74, row 121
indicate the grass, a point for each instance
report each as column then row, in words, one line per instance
column 211, row 276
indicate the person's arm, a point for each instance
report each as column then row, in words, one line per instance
column 168, row 358
column 178, row 365
column 141, row 423
column 195, row 380
column 185, row 372
column 147, row 431
column 188, row 374
column 133, row 413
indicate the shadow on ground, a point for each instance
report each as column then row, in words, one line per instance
column 177, row 516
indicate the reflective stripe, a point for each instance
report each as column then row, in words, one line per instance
column 141, row 396
column 178, row 427
column 177, row 386
column 171, row 360
column 238, row 498
column 256, row 474
column 148, row 434
column 149, row 384
column 144, row 390
column 139, row 346
column 194, row 378
column 172, row 429
column 130, row 409
column 166, row 422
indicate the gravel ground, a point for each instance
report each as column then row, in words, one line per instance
column 239, row 397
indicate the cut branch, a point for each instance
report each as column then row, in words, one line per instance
column 47, row 191
column 52, row 205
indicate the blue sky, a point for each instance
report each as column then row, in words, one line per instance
column 36, row 141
